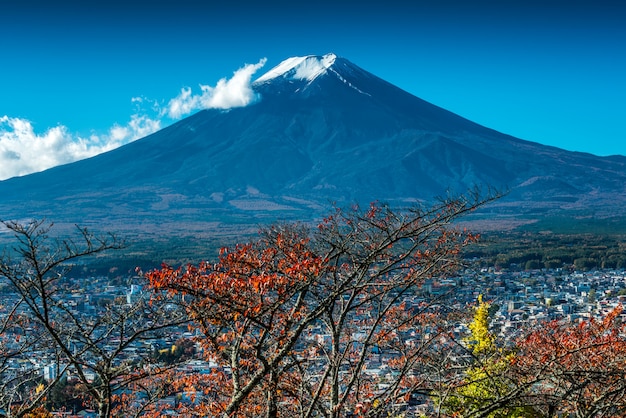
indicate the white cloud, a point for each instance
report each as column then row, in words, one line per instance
column 24, row 151
column 183, row 104
column 138, row 127
column 234, row 92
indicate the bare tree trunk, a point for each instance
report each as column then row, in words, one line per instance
column 272, row 395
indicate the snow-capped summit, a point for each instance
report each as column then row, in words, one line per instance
column 301, row 77
column 300, row 68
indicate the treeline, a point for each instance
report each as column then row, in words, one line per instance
column 526, row 251
column 512, row 250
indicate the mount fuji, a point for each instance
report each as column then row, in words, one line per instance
column 322, row 130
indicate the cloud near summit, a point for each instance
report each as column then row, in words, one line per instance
column 234, row 92
column 24, row 151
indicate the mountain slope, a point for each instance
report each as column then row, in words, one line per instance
column 324, row 130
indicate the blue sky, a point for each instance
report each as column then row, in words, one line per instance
column 77, row 78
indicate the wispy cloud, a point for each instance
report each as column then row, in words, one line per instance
column 24, row 151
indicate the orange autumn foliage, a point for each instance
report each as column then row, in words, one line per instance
column 576, row 368
column 293, row 321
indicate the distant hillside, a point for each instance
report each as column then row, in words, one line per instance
column 323, row 131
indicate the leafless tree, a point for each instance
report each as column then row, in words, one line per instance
column 95, row 349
